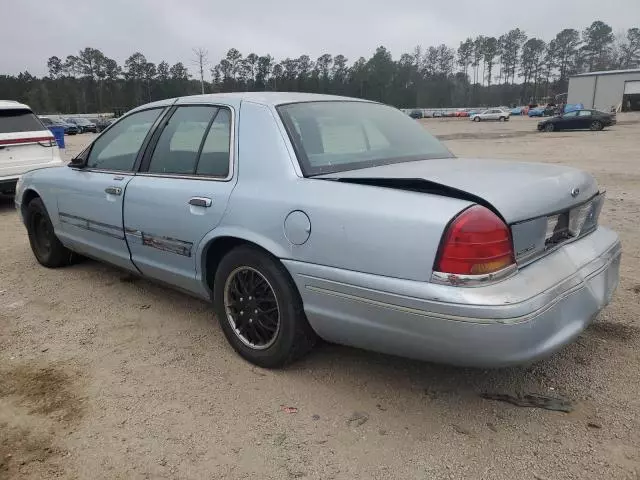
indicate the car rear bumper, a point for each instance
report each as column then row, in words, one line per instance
column 517, row 321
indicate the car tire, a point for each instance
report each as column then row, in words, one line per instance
column 45, row 246
column 502, row 119
column 596, row 125
column 549, row 127
column 476, row 119
column 268, row 340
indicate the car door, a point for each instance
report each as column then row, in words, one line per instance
column 568, row 121
column 585, row 118
column 181, row 192
column 90, row 200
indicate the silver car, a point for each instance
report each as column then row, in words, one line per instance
column 302, row 216
column 491, row 114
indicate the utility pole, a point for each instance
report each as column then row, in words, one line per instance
column 201, row 60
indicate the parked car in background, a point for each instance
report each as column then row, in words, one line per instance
column 303, row 215
column 491, row 114
column 83, row 124
column 536, row 112
column 578, row 120
column 462, row 112
column 69, row 128
column 100, row 122
column 516, row 111
column 416, row 114
column 25, row 144
column 544, row 111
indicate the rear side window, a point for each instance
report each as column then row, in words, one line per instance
column 195, row 141
column 118, row 148
column 19, row 120
column 214, row 158
column 584, row 113
column 179, row 144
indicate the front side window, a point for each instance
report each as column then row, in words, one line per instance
column 345, row 135
column 118, row 147
column 570, row 115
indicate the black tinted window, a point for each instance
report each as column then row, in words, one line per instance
column 214, row 159
column 178, row 146
column 118, row 147
column 19, row 120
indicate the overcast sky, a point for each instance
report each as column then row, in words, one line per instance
column 34, row 30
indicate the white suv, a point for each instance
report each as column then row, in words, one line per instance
column 25, row 144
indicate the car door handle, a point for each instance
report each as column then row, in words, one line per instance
column 200, row 202
column 113, row 190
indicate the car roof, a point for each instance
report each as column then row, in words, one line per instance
column 11, row 104
column 265, row 98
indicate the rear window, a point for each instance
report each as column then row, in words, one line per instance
column 337, row 136
column 19, row 120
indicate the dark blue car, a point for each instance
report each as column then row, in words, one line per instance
column 69, row 128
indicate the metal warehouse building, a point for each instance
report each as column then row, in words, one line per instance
column 603, row 90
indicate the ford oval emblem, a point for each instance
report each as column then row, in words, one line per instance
column 575, row 192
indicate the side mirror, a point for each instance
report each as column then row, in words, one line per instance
column 76, row 162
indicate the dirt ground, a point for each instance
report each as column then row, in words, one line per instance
column 107, row 377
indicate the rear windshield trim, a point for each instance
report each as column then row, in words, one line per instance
column 303, row 159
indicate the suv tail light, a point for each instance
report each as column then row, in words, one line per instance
column 48, row 141
column 477, row 243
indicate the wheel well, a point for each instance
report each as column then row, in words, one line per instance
column 217, row 249
column 27, row 196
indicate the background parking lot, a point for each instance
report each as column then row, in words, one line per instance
column 103, row 375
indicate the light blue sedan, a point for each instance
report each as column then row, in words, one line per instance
column 302, row 216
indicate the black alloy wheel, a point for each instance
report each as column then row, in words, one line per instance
column 260, row 309
column 252, row 308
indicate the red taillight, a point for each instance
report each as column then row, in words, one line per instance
column 48, row 141
column 477, row 242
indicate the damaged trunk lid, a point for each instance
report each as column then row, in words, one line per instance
column 541, row 203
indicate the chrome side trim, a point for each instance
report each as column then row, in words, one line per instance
column 457, row 280
column 165, row 244
column 91, row 225
column 184, row 177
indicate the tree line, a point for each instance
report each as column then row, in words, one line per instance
column 510, row 69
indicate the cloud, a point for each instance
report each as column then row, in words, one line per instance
column 168, row 29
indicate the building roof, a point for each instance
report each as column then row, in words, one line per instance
column 607, row 72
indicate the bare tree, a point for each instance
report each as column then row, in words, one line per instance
column 201, row 60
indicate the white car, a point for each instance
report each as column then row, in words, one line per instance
column 491, row 114
column 25, row 144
